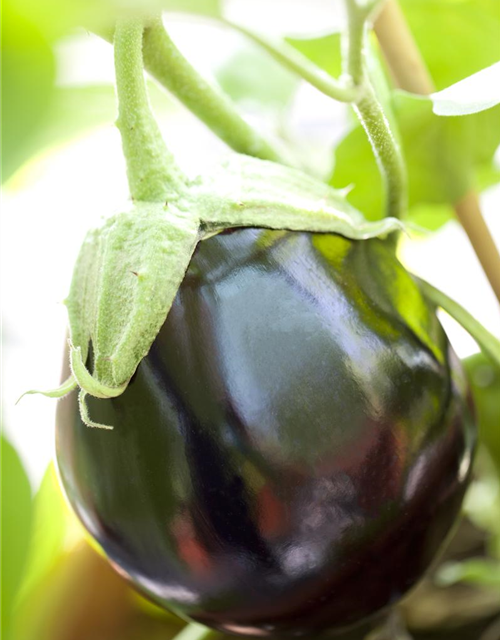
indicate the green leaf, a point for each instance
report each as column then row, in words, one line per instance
column 444, row 157
column 431, row 216
column 16, row 526
column 245, row 191
column 324, row 52
column 252, row 78
column 484, row 378
column 478, row 92
column 481, row 571
column 66, row 120
column 201, row 7
column 456, row 37
column 56, row 18
column 444, row 160
column 51, row 522
column 28, row 72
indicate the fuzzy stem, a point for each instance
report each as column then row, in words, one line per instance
column 353, row 42
column 152, row 172
column 169, row 67
column 371, row 114
column 386, row 150
column 410, row 73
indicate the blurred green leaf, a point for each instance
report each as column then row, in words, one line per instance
column 76, row 110
column 201, row 7
column 254, row 79
column 324, row 51
column 56, row 18
column 484, row 378
column 431, row 216
column 456, row 37
column 28, row 72
column 16, row 524
column 51, row 520
column 483, row 571
column 445, row 157
column 478, row 92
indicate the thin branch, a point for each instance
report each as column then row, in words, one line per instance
column 342, row 90
column 169, row 67
column 353, row 87
column 486, row 340
column 410, row 73
column 207, row 102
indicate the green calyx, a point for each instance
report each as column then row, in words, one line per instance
column 129, row 270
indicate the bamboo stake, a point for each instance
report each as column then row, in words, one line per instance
column 409, row 72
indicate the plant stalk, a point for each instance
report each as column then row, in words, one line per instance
column 338, row 89
column 153, row 174
column 371, row 114
column 169, row 67
column 410, row 73
column 355, row 88
column 486, row 340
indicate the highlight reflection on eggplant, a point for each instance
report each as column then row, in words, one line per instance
column 294, row 449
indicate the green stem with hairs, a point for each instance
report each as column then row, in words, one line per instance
column 386, row 149
column 166, row 63
column 370, row 112
column 153, row 174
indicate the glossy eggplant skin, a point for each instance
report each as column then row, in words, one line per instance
column 294, row 449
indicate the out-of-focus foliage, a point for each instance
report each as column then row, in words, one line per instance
column 16, row 526
column 323, row 51
column 484, row 378
column 52, row 524
column 66, row 119
column 445, row 156
column 475, row 93
column 28, row 71
column 483, row 501
column 456, row 37
column 56, row 18
column 257, row 82
column 485, row 572
column 63, row 588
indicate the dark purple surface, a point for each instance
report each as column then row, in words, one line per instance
column 293, row 451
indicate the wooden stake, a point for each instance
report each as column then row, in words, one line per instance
column 409, row 72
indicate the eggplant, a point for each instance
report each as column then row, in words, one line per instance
column 292, row 453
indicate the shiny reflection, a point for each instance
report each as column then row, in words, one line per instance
column 294, row 449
